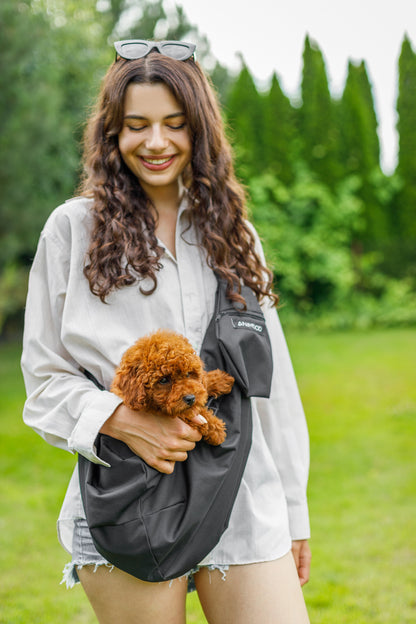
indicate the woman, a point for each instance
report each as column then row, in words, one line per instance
column 160, row 209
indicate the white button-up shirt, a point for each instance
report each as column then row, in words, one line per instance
column 67, row 329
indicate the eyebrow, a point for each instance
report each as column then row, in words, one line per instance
column 140, row 117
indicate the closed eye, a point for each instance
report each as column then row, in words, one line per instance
column 136, row 128
column 178, row 127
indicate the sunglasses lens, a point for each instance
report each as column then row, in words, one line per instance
column 132, row 50
column 178, row 51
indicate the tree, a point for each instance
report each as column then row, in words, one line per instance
column 279, row 133
column 359, row 151
column 360, row 143
column 245, row 116
column 34, row 166
column 406, row 200
column 222, row 81
column 316, row 116
column 45, row 88
column 307, row 232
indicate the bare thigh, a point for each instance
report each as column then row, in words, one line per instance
column 266, row 593
column 119, row 597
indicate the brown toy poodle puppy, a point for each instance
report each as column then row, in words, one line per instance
column 162, row 372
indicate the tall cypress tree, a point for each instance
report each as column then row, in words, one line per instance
column 316, row 116
column 406, row 109
column 279, row 133
column 360, row 149
column 360, row 144
column 245, row 117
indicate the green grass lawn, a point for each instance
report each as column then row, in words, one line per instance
column 359, row 393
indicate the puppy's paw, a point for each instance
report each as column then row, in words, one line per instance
column 216, row 433
column 219, row 382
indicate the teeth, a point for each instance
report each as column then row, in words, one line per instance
column 157, row 161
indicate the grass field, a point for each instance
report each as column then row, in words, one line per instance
column 359, row 393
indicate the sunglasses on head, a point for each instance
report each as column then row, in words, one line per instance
column 132, row 49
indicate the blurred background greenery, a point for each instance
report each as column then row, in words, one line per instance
column 339, row 233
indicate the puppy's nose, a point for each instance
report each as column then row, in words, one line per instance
column 189, row 399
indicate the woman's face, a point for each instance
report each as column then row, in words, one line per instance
column 154, row 142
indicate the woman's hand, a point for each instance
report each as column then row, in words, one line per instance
column 158, row 439
column 302, row 556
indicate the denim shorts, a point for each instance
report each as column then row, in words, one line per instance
column 85, row 553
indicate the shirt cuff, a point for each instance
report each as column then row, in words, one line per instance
column 299, row 521
column 83, row 436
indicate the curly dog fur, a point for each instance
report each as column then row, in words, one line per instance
column 161, row 372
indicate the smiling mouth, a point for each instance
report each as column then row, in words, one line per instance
column 157, row 164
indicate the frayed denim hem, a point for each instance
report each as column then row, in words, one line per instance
column 191, row 574
column 70, row 576
column 84, row 553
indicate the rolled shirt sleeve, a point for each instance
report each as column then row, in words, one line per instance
column 64, row 407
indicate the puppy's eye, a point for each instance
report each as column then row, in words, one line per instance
column 193, row 374
column 164, row 380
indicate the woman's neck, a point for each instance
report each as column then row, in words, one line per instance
column 165, row 199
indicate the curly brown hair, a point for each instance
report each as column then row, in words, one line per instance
column 123, row 246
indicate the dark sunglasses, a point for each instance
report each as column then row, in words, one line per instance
column 131, row 49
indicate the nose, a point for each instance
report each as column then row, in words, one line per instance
column 156, row 140
column 189, row 399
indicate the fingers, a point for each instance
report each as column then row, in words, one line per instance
column 167, row 445
column 160, row 459
column 302, row 556
column 158, row 439
column 187, row 433
column 165, row 466
column 175, row 444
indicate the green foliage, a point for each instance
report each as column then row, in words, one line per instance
column 33, row 166
column 316, row 116
column 406, row 103
column 359, row 151
column 279, row 133
column 309, row 234
column 13, row 289
column 405, row 202
column 222, row 81
column 45, row 88
column 360, row 148
column 245, row 116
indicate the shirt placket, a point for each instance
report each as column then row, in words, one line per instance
column 188, row 266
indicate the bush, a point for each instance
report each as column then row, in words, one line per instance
column 323, row 278
column 307, row 234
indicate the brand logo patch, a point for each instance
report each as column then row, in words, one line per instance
column 241, row 324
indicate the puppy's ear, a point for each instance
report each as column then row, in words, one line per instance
column 129, row 384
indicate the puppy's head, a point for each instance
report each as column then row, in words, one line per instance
column 161, row 372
